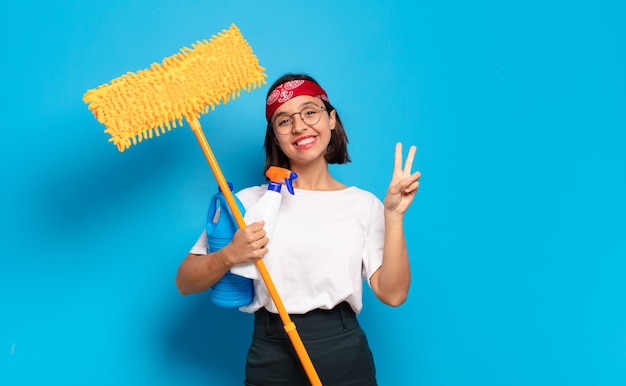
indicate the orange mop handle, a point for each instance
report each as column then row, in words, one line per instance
column 289, row 325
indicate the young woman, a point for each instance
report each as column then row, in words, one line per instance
column 329, row 238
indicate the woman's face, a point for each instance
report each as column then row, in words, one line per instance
column 305, row 143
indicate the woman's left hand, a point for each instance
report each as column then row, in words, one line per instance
column 403, row 185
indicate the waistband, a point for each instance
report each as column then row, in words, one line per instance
column 314, row 324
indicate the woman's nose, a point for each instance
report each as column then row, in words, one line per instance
column 298, row 123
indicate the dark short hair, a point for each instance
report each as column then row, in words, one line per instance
column 337, row 150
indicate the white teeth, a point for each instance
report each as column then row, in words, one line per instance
column 305, row 141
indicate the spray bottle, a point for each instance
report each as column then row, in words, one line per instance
column 231, row 290
column 267, row 209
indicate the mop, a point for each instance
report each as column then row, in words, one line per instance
column 141, row 105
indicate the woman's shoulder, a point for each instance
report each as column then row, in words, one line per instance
column 250, row 195
column 361, row 201
column 362, row 193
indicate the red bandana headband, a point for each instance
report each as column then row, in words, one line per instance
column 290, row 90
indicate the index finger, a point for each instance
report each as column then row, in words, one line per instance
column 397, row 159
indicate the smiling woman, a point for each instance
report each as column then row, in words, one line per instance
column 304, row 141
column 517, row 245
column 328, row 239
column 292, row 86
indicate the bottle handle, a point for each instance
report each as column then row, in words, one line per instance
column 212, row 217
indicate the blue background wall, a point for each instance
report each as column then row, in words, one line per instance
column 517, row 236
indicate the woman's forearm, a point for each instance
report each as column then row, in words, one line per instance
column 394, row 276
column 198, row 273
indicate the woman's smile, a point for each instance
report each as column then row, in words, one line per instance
column 305, row 142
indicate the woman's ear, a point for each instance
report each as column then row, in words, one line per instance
column 332, row 122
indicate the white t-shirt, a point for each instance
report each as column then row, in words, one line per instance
column 325, row 244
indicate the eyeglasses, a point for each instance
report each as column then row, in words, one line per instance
column 283, row 123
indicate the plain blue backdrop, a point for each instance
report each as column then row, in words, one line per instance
column 517, row 236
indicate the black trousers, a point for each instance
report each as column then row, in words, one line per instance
column 333, row 339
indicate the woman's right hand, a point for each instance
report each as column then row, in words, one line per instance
column 248, row 244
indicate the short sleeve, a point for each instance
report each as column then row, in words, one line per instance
column 374, row 240
column 201, row 246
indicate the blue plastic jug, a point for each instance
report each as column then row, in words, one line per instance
column 232, row 290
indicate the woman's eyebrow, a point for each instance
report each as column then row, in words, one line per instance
column 301, row 105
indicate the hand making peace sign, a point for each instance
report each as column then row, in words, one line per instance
column 403, row 185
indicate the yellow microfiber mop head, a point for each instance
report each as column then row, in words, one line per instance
column 184, row 85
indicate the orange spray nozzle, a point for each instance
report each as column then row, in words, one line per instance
column 281, row 176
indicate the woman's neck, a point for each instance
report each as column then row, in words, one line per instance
column 315, row 178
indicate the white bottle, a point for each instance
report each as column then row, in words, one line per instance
column 266, row 209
